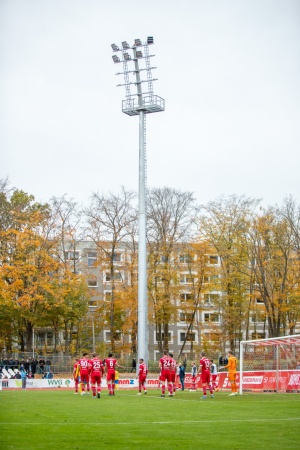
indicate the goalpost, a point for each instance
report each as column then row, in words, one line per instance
column 269, row 365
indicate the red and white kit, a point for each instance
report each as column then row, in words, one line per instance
column 142, row 375
column 165, row 366
column 96, row 375
column 110, row 364
column 84, row 373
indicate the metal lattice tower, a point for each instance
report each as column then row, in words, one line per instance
column 139, row 104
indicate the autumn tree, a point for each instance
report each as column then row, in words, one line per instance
column 110, row 222
column 68, row 305
column 170, row 213
column 225, row 223
column 202, row 278
column 276, row 269
column 31, row 276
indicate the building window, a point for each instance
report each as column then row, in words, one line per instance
column 117, row 276
column 186, row 297
column 211, row 317
column 92, row 283
column 116, row 257
column 186, row 317
column 185, row 279
column 213, row 260
column 91, row 259
column 211, row 299
column 107, row 338
column 108, row 296
column 135, row 277
column 72, row 256
column 185, row 259
column 190, row 337
column 163, row 336
column 49, row 338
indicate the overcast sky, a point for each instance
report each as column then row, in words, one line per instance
column 228, row 70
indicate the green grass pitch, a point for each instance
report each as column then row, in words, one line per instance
column 58, row 419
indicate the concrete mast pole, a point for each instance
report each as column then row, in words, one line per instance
column 142, row 226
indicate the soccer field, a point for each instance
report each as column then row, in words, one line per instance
column 58, row 419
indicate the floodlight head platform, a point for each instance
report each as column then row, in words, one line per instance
column 151, row 104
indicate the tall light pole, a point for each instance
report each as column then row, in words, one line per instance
column 139, row 104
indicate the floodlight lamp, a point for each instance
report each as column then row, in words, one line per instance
column 115, row 59
column 115, row 47
column 125, row 45
column 150, row 40
column 137, row 43
column 139, row 54
column 127, row 57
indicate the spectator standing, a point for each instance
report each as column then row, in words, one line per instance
column 11, row 363
column 48, row 365
column 142, row 375
column 182, row 375
column 27, row 365
column 6, row 363
column 41, row 365
column 34, row 364
column 133, row 365
column 298, row 365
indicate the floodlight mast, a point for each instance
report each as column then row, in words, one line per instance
column 146, row 103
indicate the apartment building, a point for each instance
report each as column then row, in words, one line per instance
column 197, row 323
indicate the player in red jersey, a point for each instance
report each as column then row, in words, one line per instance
column 173, row 373
column 97, row 371
column 76, row 374
column 165, row 365
column 142, row 375
column 84, row 373
column 205, row 375
column 110, row 366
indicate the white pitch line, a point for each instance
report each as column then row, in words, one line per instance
column 66, row 423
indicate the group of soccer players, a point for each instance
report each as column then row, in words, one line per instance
column 89, row 372
column 168, row 366
column 207, row 370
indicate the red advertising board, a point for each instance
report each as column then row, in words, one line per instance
column 283, row 381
